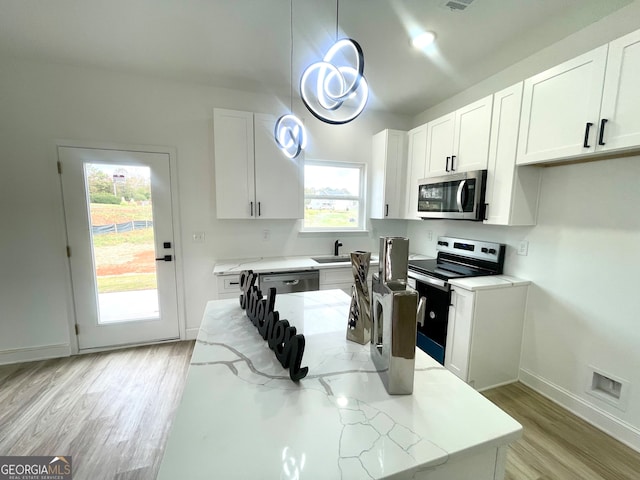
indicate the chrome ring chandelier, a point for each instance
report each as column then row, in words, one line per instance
column 334, row 90
column 290, row 135
column 289, row 132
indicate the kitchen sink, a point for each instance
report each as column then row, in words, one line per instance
column 332, row 259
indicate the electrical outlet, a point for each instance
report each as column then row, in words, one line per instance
column 198, row 237
column 523, row 247
column 429, row 235
column 266, row 234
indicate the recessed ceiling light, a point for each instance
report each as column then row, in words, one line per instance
column 423, row 40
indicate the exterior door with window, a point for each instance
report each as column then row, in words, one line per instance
column 118, row 214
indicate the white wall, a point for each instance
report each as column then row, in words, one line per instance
column 40, row 103
column 583, row 257
column 583, row 304
column 613, row 26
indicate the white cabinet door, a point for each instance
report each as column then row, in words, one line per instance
column 278, row 178
column 459, row 331
column 416, row 167
column 388, row 176
column 620, row 98
column 496, row 345
column 440, row 135
column 471, row 138
column 234, row 163
column 560, row 109
column 512, row 192
column 253, row 178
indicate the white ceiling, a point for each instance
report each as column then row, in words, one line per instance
column 245, row 44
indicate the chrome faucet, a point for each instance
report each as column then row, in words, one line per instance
column 336, row 247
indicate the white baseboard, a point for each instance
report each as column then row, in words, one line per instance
column 192, row 333
column 618, row 429
column 31, row 354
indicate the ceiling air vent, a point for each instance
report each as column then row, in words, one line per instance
column 457, row 5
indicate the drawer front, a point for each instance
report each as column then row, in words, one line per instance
column 229, row 284
column 336, row 275
column 341, row 276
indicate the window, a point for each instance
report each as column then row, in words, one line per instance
column 333, row 196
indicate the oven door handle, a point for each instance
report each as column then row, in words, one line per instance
column 459, row 195
column 436, row 282
column 422, row 307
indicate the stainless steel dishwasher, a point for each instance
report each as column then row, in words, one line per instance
column 288, row 282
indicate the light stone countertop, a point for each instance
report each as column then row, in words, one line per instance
column 488, row 282
column 282, row 264
column 242, row 417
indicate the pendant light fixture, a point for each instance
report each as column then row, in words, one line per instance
column 334, row 89
column 289, row 132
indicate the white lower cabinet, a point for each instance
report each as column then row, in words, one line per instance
column 484, row 334
column 341, row 278
column 228, row 287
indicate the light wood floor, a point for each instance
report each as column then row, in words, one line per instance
column 558, row 445
column 112, row 412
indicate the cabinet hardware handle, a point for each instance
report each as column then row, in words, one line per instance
column 453, row 157
column 234, row 283
column 603, row 122
column 447, row 166
column 259, row 213
column 252, row 209
column 586, row 135
column 386, row 211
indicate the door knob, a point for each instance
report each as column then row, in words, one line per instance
column 166, row 258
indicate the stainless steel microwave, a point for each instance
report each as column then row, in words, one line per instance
column 459, row 196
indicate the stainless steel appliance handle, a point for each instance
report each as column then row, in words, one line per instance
column 459, row 195
column 422, row 306
column 291, row 282
column 436, row 282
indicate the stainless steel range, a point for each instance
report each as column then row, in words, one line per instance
column 457, row 258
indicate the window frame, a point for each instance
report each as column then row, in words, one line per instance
column 362, row 198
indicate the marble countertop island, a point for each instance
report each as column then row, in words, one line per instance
column 242, row 417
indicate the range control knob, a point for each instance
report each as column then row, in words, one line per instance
column 440, row 242
column 484, row 250
column 492, row 251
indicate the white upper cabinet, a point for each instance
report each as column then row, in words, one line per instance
column 459, row 141
column 279, row 179
column 512, row 192
column 416, row 168
column 234, row 163
column 254, row 179
column 471, row 141
column 440, row 135
column 560, row 109
column 619, row 126
column 388, row 174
